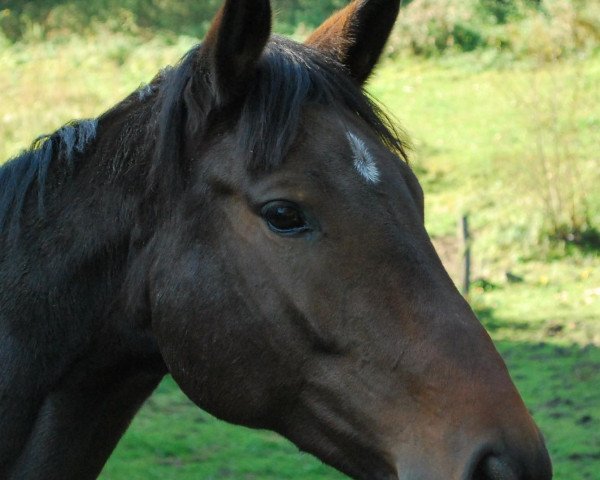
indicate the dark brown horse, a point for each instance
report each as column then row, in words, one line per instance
column 247, row 223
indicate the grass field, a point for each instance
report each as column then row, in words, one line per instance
column 474, row 127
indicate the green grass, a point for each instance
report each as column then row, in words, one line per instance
column 548, row 331
column 173, row 439
column 471, row 125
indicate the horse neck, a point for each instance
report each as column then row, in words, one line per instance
column 76, row 363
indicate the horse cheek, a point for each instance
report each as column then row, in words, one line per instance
column 202, row 334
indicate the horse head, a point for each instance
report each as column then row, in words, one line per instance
column 293, row 286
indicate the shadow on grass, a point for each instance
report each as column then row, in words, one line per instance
column 492, row 323
column 560, row 383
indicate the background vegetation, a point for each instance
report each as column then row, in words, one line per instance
column 501, row 99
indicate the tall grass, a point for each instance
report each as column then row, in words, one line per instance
column 518, row 28
column 426, row 27
column 554, row 168
column 40, row 20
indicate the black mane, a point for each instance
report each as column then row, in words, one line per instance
column 19, row 175
column 289, row 77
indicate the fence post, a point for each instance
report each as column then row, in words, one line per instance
column 465, row 246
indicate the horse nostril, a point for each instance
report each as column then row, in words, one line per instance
column 491, row 467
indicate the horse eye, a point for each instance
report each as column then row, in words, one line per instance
column 284, row 218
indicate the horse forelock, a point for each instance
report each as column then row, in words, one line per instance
column 289, row 77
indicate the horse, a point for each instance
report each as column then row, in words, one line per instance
column 249, row 224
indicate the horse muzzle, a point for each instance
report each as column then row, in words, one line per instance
column 487, row 463
column 507, row 465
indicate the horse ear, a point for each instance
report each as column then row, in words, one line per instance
column 234, row 43
column 356, row 35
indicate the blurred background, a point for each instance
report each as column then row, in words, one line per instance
column 501, row 102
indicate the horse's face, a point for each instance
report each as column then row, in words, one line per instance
column 308, row 299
